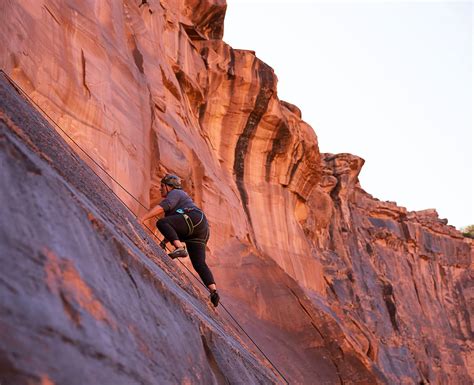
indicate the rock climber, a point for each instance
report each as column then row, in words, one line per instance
column 184, row 222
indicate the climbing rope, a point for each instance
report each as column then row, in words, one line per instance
column 17, row 87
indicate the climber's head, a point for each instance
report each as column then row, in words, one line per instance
column 170, row 180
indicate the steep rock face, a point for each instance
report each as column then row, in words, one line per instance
column 352, row 289
column 402, row 279
column 87, row 296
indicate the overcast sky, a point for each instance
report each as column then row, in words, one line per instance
column 390, row 82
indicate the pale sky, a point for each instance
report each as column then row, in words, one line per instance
column 390, row 82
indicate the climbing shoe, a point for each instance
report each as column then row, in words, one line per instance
column 215, row 298
column 178, row 253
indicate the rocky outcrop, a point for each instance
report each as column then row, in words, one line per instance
column 87, row 296
column 403, row 279
column 332, row 283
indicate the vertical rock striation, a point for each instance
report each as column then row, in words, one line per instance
column 333, row 284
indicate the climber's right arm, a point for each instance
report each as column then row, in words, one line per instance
column 156, row 211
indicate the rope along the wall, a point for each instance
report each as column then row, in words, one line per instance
column 31, row 101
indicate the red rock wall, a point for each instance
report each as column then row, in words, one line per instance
column 86, row 296
column 333, row 283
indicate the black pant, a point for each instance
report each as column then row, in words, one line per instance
column 174, row 227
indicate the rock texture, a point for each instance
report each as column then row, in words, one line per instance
column 87, row 296
column 333, row 284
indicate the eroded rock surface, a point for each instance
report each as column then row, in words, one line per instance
column 334, row 285
column 87, row 296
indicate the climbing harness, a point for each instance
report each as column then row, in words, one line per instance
column 192, row 226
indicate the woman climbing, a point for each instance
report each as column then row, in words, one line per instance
column 184, row 222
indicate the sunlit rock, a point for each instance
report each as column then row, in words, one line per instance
column 333, row 284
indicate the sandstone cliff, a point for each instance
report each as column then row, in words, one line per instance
column 87, row 297
column 336, row 286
